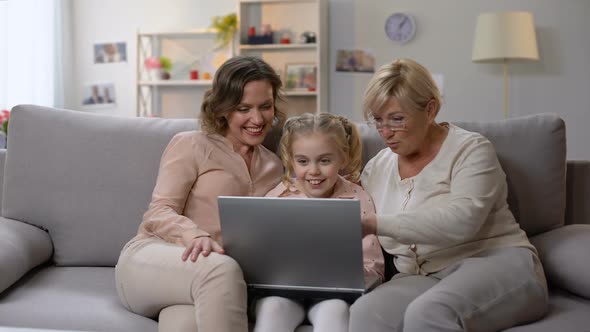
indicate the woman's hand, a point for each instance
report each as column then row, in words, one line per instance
column 201, row 245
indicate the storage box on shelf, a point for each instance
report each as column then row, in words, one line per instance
column 291, row 20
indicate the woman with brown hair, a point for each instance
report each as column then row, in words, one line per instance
column 177, row 256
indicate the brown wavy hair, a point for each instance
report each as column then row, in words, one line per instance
column 228, row 89
column 341, row 130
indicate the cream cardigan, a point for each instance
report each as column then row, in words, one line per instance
column 454, row 208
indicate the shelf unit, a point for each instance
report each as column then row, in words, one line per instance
column 268, row 47
column 175, row 82
column 179, row 96
column 291, row 17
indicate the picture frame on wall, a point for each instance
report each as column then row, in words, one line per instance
column 301, row 76
column 99, row 95
column 110, row 52
column 362, row 61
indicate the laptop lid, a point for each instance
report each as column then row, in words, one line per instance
column 295, row 243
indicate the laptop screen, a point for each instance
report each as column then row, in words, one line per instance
column 294, row 242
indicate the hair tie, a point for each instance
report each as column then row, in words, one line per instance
column 347, row 126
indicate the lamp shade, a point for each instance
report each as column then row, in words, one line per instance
column 505, row 35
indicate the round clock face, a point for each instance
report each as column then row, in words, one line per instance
column 400, row 27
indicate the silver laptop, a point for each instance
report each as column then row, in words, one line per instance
column 297, row 247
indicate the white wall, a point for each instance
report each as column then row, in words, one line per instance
column 98, row 21
column 559, row 82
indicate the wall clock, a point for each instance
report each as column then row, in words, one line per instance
column 400, row 27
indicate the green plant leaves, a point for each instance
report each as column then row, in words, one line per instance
column 226, row 26
column 165, row 63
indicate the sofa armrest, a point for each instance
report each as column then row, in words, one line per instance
column 577, row 209
column 22, row 247
column 564, row 253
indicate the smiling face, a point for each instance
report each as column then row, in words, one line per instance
column 252, row 119
column 411, row 139
column 316, row 163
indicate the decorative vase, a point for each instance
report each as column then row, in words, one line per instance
column 154, row 74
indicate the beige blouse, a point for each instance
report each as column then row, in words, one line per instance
column 195, row 169
column 372, row 254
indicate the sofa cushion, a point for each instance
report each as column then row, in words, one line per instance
column 532, row 151
column 567, row 312
column 70, row 298
column 372, row 141
column 563, row 252
column 22, row 247
column 85, row 178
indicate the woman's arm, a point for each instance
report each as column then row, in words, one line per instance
column 373, row 261
column 177, row 175
column 477, row 180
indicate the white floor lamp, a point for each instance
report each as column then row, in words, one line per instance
column 504, row 36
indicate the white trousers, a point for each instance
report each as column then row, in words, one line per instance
column 279, row 314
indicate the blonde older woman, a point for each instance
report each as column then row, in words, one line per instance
column 440, row 194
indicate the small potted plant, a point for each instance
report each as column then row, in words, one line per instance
column 226, row 27
column 166, row 65
column 152, row 65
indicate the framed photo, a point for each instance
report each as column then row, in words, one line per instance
column 362, row 61
column 301, row 76
column 99, row 95
column 110, row 52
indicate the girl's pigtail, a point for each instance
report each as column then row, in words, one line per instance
column 353, row 168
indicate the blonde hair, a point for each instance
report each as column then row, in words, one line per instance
column 343, row 133
column 405, row 79
column 228, row 89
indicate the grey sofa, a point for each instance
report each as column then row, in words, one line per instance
column 75, row 186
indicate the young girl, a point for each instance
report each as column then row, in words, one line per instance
column 322, row 158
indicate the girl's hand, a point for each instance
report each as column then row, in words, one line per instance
column 201, row 245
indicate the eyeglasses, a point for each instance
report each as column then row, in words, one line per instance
column 396, row 123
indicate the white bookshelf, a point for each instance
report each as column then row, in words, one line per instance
column 278, row 47
column 188, row 50
column 293, row 17
column 205, row 83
